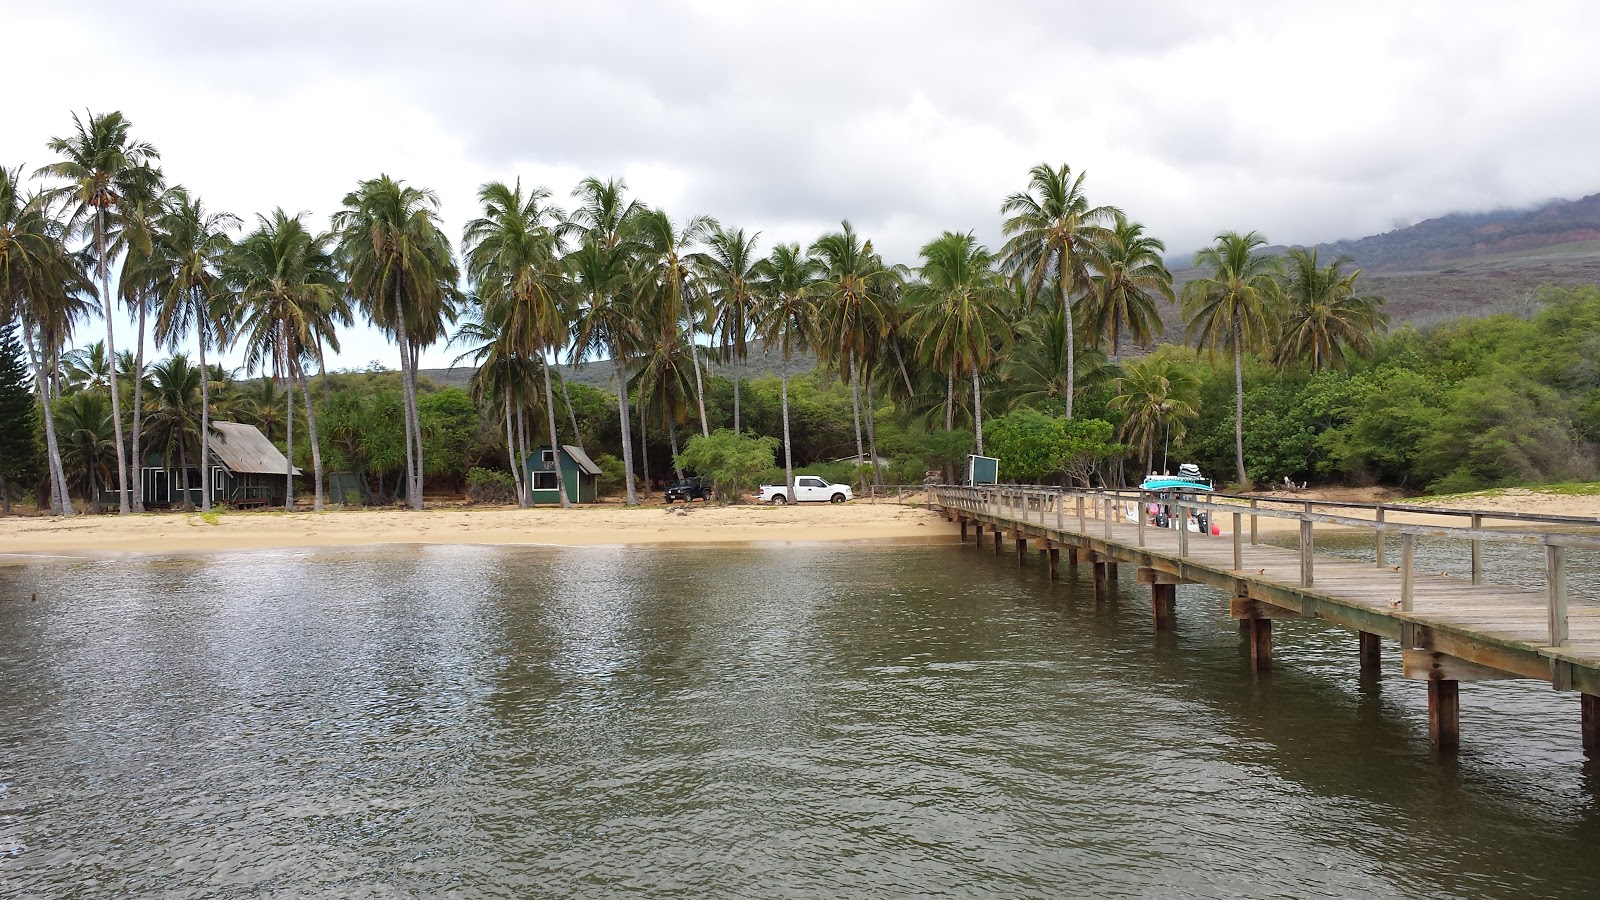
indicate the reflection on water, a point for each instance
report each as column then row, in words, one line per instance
column 765, row 721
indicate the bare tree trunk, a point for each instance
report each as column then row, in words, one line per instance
column 950, row 400
column 183, row 466
column 201, row 328
column 108, row 306
column 316, row 451
column 511, row 454
column 699, row 386
column 788, row 448
column 577, row 436
column 736, row 422
column 555, row 445
column 977, row 410
column 855, row 406
column 905, row 373
column 522, row 435
column 672, row 435
column 1072, row 340
column 1238, row 404
column 627, row 432
column 288, row 454
column 60, row 500
column 870, row 414
column 416, row 419
column 137, row 487
column 405, row 402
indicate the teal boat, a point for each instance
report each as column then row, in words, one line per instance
column 1187, row 479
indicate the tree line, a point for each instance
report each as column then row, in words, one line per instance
column 1056, row 321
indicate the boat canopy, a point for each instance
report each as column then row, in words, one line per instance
column 1187, row 479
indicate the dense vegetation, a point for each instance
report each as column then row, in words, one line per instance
column 1038, row 351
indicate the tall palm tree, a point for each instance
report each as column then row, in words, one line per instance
column 675, row 291
column 501, row 377
column 401, row 271
column 49, row 291
column 729, row 267
column 1130, row 279
column 513, row 258
column 850, row 290
column 1323, row 320
column 106, row 176
column 87, row 436
column 192, row 296
column 1158, row 395
column 288, row 287
column 1231, row 308
column 601, row 281
column 174, row 418
column 787, row 320
column 1053, row 239
column 87, row 368
column 959, row 311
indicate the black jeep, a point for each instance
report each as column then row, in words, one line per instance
column 686, row 490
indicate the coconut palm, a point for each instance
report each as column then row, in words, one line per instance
column 1129, row 280
column 87, row 443
column 191, row 296
column 677, row 299
column 600, row 281
column 1053, row 240
column 512, row 254
column 787, row 320
column 729, row 267
column 1323, row 321
column 48, row 290
column 87, row 368
column 108, row 176
column 401, row 271
column 959, row 311
column 174, row 416
column 1231, row 308
column 288, row 288
column 1158, row 395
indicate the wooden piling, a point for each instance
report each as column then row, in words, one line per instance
column 1099, row 581
column 1371, row 653
column 1055, row 563
column 1260, row 643
column 963, row 529
column 1164, row 601
column 1591, row 724
column 1022, row 547
column 996, row 541
column 1444, row 715
column 1111, row 573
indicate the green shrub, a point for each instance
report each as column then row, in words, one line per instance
column 613, row 476
column 490, row 486
column 735, row 462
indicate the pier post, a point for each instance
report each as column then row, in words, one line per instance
column 1378, row 549
column 1164, row 600
column 1099, row 581
column 1260, row 643
column 1371, row 653
column 1238, row 543
column 1254, row 505
column 1444, row 715
column 1477, row 551
column 996, row 541
column 963, row 529
column 1022, row 547
column 1591, row 724
column 1111, row 572
column 1055, row 563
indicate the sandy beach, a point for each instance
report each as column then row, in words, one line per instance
column 28, row 538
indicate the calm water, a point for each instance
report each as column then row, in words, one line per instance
column 801, row 721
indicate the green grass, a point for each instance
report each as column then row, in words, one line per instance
column 211, row 518
column 1566, row 489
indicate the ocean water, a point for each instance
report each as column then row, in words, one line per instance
column 763, row 721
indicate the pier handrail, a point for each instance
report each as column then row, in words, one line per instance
column 1005, row 501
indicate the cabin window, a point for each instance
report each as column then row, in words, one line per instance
column 547, row 456
column 544, row 481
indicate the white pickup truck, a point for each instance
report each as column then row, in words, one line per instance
column 806, row 487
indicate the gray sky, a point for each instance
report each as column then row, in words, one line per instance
column 1307, row 121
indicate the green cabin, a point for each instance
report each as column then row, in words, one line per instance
column 247, row 470
column 578, row 472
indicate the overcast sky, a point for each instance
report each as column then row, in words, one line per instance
column 1307, row 121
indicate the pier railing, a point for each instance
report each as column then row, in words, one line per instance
column 1087, row 511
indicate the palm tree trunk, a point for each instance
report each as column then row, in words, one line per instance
column 627, row 432
column 60, row 500
column 950, row 400
column 416, row 419
column 1072, row 344
column 699, row 386
column 672, row 435
column 205, row 421
column 736, row 422
column 1238, row 405
column 108, row 307
column 183, row 466
column 868, row 412
column 905, row 374
column 511, row 454
column 977, row 410
column 316, row 450
column 138, row 419
column 288, row 453
column 855, row 406
column 644, row 441
column 577, row 436
column 405, row 403
column 550, row 412
column 788, row 447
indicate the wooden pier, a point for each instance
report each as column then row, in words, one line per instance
column 1451, row 628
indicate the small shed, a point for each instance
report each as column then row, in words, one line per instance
column 578, row 472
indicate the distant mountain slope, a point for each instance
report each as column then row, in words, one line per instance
column 1459, row 236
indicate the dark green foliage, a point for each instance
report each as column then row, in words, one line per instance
column 610, row 481
column 449, row 432
column 735, row 462
column 490, row 486
column 1036, row 448
column 20, row 454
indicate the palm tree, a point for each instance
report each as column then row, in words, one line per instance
column 1054, row 239
column 729, row 266
column 787, row 319
column 1323, row 320
column 402, row 272
column 48, row 290
column 512, row 255
column 186, row 270
column 501, row 373
column 87, row 368
column 107, row 175
column 851, row 287
column 1130, row 278
column 288, row 288
column 175, row 415
column 675, row 291
column 601, row 283
column 959, row 311
column 1157, row 395
column 87, row 438
column 261, row 404
column 1232, row 308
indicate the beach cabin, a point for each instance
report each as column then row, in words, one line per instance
column 246, row 471
column 578, row 472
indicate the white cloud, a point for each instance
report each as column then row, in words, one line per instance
column 1305, row 121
